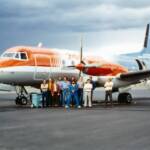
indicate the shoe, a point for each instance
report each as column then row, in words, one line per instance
column 66, row 106
column 79, row 106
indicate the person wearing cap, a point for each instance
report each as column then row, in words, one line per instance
column 108, row 91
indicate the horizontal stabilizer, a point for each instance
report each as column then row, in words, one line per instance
column 141, row 64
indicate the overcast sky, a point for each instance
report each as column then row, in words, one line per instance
column 108, row 26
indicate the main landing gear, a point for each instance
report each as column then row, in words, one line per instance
column 124, row 98
column 22, row 93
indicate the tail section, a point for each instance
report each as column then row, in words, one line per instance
column 146, row 48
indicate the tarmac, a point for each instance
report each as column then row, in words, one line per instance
column 121, row 127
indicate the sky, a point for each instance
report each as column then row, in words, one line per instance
column 107, row 26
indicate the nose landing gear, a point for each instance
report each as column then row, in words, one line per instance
column 22, row 93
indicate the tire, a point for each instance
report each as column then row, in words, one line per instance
column 124, row 98
column 128, row 98
column 24, row 100
column 18, row 101
column 121, row 98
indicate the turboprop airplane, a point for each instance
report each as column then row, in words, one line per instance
column 27, row 66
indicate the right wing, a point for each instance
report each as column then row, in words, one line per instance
column 135, row 76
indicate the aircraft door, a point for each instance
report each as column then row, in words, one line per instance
column 42, row 67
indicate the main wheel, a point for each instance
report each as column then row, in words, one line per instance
column 124, row 98
column 121, row 98
column 128, row 98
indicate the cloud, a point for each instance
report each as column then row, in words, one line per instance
column 56, row 21
column 75, row 15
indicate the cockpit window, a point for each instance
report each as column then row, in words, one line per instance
column 8, row 55
column 23, row 56
column 15, row 55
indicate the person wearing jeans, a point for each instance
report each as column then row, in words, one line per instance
column 44, row 89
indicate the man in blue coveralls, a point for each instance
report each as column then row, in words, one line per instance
column 73, row 89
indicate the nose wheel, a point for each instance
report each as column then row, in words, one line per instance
column 21, row 100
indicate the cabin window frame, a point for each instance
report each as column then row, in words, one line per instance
column 14, row 55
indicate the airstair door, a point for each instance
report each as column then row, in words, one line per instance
column 42, row 67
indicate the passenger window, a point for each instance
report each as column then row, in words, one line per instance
column 23, row 56
column 63, row 62
column 73, row 63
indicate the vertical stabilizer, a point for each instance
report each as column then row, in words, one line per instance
column 146, row 48
column 146, row 37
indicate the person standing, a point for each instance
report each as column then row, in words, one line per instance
column 44, row 89
column 65, row 90
column 59, row 84
column 73, row 89
column 54, row 93
column 49, row 102
column 87, row 93
column 108, row 91
column 93, row 87
column 80, row 90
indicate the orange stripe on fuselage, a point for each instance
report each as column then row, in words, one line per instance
column 52, row 58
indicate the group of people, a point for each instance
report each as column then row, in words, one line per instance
column 66, row 93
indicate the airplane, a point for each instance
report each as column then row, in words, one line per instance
column 28, row 66
column 22, row 66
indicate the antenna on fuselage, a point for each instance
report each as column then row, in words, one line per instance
column 40, row 44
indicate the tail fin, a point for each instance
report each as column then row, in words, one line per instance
column 146, row 48
column 146, row 37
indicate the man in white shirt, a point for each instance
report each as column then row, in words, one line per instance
column 44, row 89
column 108, row 89
column 87, row 93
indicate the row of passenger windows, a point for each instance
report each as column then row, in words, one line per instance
column 23, row 56
column 63, row 62
column 15, row 55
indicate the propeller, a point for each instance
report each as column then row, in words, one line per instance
column 81, row 56
column 81, row 62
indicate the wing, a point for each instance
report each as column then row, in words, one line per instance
column 135, row 76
